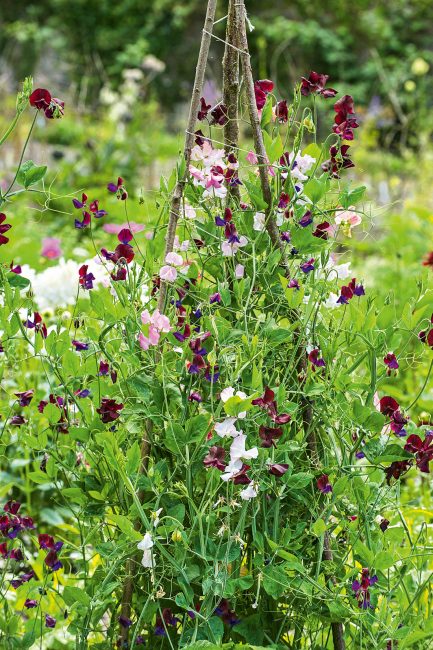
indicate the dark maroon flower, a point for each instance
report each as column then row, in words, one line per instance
column 30, row 604
column 262, row 89
column 80, row 204
column 109, row 410
column 285, row 236
column 211, row 373
column 17, row 420
column 316, row 83
column 85, row 222
column 345, row 120
column 50, row 621
column 283, row 201
column 104, row 368
column 45, row 541
column 52, row 560
column 85, row 279
column 423, row 450
column 315, row 360
column 40, row 99
column 278, row 469
column 12, row 507
column 396, row 469
column 215, row 458
column 281, row 111
column 121, row 252
column 269, row 435
column 307, row 267
column 384, row 525
column 339, row 159
column 204, row 109
column 4, row 227
column 322, row 230
column 388, row 405
column 56, row 109
column 25, row 397
column 219, row 115
column 323, row 484
column 80, row 346
column 16, row 554
column 347, row 292
column 226, row 613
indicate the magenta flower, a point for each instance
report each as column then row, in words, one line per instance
column 315, row 360
column 4, row 227
column 345, row 120
column 390, row 360
column 322, row 230
column 281, row 111
column 114, row 228
column 93, row 208
column 109, row 410
column 50, row 621
column 118, row 189
column 316, row 83
column 37, row 324
column 85, row 279
column 389, row 407
column 219, row 115
column 215, row 298
column 51, row 248
column 194, row 396
column 350, row 290
column 323, row 484
column 306, row 220
column 293, row 284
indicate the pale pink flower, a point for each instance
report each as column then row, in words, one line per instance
column 51, row 248
column 154, row 335
column 252, row 158
column 239, row 271
column 228, row 249
column 168, row 273
column 143, row 341
column 347, row 219
column 174, row 259
column 160, row 321
column 115, row 228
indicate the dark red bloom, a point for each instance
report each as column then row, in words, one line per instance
column 388, row 405
column 215, row 458
column 390, row 360
column 347, row 292
column 204, row 109
column 40, row 99
column 226, row 613
column 339, row 159
column 269, row 435
column 37, row 324
column 262, row 89
column 118, row 188
column 315, row 360
column 428, row 260
column 109, row 410
column 46, row 541
column 56, row 109
column 345, row 120
column 396, row 469
column 281, row 111
column 322, row 230
column 316, row 83
column 384, row 525
column 423, row 450
column 4, row 227
column 219, row 115
column 323, row 484
column 278, row 469
column 268, row 403
column 361, row 589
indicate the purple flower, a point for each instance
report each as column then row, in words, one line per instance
column 25, row 397
column 293, row 284
column 285, row 236
column 80, row 346
column 194, row 396
column 306, row 220
column 30, row 604
column 315, row 360
column 85, row 392
column 125, row 622
column 215, row 298
column 50, row 621
column 118, row 188
column 361, row 589
column 85, row 279
column 307, row 267
column 390, row 360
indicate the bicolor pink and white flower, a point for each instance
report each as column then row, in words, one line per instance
column 347, row 219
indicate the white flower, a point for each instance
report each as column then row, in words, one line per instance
column 238, row 451
column 259, row 221
column 168, row 273
column 239, row 271
column 189, row 212
column 226, row 428
column 249, row 492
column 331, row 302
column 145, row 545
column 231, row 469
column 299, row 165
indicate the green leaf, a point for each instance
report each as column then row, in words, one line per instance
column 17, row 281
column 133, row 459
column 29, row 174
column 72, row 595
column 274, row 581
column 319, row 527
column 298, row 481
column 384, row 560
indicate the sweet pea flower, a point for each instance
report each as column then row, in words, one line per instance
column 252, row 158
column 259, row 223
column 249, row 492
column 226, row 428
column 239, row 271
column 146, row 545
column 348, row 219
column 168, row 273
column 51, row 248
column 231, row 248
column 174, row 259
